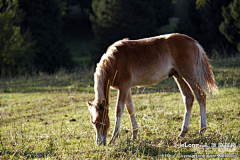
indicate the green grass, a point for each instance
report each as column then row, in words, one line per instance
column 45, row 116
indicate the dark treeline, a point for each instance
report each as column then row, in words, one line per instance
column 32, row 32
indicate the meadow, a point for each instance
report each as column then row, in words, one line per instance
column 45, row 116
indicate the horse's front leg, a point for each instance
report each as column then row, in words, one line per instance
column 130, row 108
column 122, row 96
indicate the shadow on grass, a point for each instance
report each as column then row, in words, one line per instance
column 147, row 148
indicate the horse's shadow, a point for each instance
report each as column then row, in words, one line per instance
column 142, row 148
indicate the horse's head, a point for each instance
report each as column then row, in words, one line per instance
column 100, row 120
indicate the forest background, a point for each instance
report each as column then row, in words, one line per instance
column 48, row 35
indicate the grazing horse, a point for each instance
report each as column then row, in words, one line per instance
column 129, row 63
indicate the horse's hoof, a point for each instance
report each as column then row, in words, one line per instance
column 134, row 137
column 202, row 131
column 183, row 132
column 182, row 135
column 111, row 141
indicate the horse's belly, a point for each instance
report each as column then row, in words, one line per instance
column 151, row 75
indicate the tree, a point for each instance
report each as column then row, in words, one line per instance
column 43, row 19
column 16, row 49
column 76, row 15
column 201, row 3
column 117, row 19
column 230, row 26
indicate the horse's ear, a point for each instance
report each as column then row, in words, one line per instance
column 89, row 105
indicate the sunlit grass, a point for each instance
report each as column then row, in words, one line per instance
column 45, row 116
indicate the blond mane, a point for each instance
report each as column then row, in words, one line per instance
column 103, row 67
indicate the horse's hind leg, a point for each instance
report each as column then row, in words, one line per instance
column 130, row 108
column 201, row 98
column 188, row 101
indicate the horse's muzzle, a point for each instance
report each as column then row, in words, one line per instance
column 101, row 140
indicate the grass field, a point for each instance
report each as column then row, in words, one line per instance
column 45, row 116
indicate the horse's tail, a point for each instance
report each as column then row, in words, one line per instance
column 205, row 75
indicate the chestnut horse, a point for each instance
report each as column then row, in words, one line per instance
column 129, row 63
